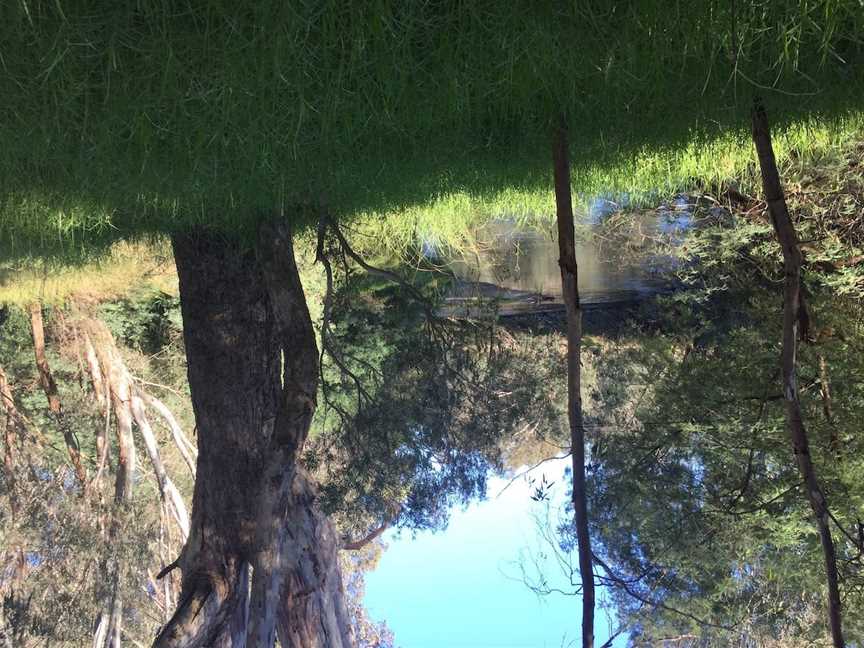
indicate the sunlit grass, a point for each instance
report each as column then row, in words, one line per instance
column 125, row 266
column 450, row 219
column 120, row 120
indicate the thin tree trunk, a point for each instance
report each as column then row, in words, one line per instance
column 242, row 312
column 46, row 379
column 117, row 392
column 356, row 545
column 95, row 371
column 827, row 410
column 9, row 438
column 49, row 386
column 100, row 390
column 792, row 316
column 187, row 450
column 570, row 288
column 129, row 404
column 167, row 490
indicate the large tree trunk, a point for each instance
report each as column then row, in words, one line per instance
column 253, row 376
column 793, row 314
column 570, row 288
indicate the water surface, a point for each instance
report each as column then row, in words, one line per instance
column 463, row 587
column 518, row 267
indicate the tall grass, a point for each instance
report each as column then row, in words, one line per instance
column 450, row 219
column 124, row 118
column 122, row 267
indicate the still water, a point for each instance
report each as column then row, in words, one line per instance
column 517, row 268
column 465, row 586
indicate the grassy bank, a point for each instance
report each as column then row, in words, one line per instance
column 451, row 218
column 806, row 150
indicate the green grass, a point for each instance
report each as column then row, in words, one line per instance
column 123, row 267
column 130, row 118
column 451, row 218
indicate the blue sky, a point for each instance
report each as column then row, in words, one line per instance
column 463, row 588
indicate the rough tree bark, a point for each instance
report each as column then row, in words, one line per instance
column 570, row 288
column 793, row 315
column 49, row 386
column 252, row 505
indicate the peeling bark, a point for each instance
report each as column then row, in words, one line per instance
column 129, row 405
column 570, row 288
column 793, row 316
column 95, row 371
column 112, row 614
column 242, row 312
column 100, row 391
column 312, row 612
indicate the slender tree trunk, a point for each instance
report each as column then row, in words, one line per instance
column 9, row 438
column 793, row 314
column 570, row 288
column 117, row 393
column 187, row 450
column 825, row 392
column 252, row 505
column 167, row 490
column 103, row 398
column 95, row 371
column 49, row 386
column 46, row 379
column 356, row 545
column 129, row 403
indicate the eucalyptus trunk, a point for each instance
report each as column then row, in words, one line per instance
column 49, row 386
column 7, row 409
column 795, row 316
column 570, row 289
column 253, row 376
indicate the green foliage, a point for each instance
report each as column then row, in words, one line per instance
column 695, row 495
column 425, row 412
column 55, row 594
column 138, row 117
column 144, row 320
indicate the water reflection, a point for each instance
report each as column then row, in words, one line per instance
column 518, row 267
column 462, row 587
